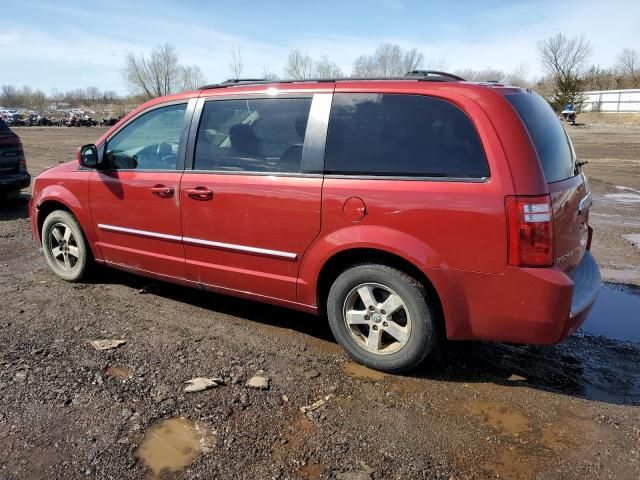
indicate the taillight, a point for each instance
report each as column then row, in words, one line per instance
column 22, row 161
column 530, row 224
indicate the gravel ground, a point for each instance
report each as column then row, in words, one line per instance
column 613, row 153
column 474, row 410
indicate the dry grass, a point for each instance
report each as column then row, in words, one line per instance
column 609, row 118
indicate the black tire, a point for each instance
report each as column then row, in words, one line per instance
column 77, row 251
column 420, row 336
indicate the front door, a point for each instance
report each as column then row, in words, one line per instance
column 134, row 195
column 251, row 206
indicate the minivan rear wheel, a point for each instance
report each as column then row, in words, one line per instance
column 381, row 317
column 65, row 246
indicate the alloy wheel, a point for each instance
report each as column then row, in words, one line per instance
column 63, row 246
column 377, row 318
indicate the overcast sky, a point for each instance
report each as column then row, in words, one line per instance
column 67, row 44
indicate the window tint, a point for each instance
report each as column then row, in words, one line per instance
column 4, row 129
column 150, row 142
column 405, row 135
column 548, row 135
column 260, row 135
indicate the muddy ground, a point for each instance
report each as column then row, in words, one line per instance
column 474, row 410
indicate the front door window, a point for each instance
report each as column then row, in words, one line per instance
column 150, row 142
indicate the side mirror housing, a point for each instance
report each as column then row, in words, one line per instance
column 88, row 156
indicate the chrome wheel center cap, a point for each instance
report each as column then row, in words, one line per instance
column 376, row 317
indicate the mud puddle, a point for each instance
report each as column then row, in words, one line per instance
column 118, row 371
column 359, row 371
column 624, row 198
column 633, row 239
column 173, row 444
column 499, row 417
column 527, row 442
column 627, row 196
column 616, row 313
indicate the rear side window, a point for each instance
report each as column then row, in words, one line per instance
column 402, row 135
column 548, row 135
column 4, row 129
column 252, row 135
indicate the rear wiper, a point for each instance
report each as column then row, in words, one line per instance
column 580, row 164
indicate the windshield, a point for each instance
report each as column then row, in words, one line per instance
column 549, row 137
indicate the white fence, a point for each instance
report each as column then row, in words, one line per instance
column 612, row 101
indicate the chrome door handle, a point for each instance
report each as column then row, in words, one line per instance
column 162, row 190
column 199, row 193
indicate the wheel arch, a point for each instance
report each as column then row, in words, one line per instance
column 50, row 204
column 344, row 259
column 45, row 209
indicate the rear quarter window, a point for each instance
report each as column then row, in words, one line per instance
column 402, row 135
column 4, row 129
column 548, row 135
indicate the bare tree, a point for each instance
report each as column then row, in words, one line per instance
column 364, row 66
column 597, row 78
column 93, row 94
column 412, row 60
column 438, row 64
column 191, row 78
column 518, row 76
column 564, row 60
column 299, row 65
column 236, row 64
column 325, row 68
column 629, row 62
column 155, row 76
column 389, row 60
column 268, row 74
column 25, row 97
column 10, row 96
column 38, row 99
column 564, row 57
column 485, row 75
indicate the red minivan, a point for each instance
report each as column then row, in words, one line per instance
column 402, row 209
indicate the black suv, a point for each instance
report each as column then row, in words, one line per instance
column 13, row 166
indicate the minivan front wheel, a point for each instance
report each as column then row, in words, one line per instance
column 64, row 245
column 381, row 317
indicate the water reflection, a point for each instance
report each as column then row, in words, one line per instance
column 616, row 314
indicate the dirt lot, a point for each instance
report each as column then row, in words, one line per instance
column 475, row 410
column 613, row 154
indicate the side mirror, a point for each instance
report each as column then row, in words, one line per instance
column 88, row 156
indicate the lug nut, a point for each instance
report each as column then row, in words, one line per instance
column 371, row 308
column 366, row 317
column 385, row 324
column 383, row 312
column 375, row 327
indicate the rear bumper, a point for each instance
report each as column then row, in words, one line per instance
column 16, row 181
column 523, row 305
column 33, row 219
column 587, row 280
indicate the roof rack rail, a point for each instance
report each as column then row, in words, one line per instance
column 436, row 73
column 418, row 75
column 244, row 80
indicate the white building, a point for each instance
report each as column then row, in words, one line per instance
column 615, row 101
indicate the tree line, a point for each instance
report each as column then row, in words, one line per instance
column 35, row 99
column 564, row 61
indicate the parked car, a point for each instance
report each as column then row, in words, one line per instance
column 13, row 165
column 109, row 121
column 404, row 209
